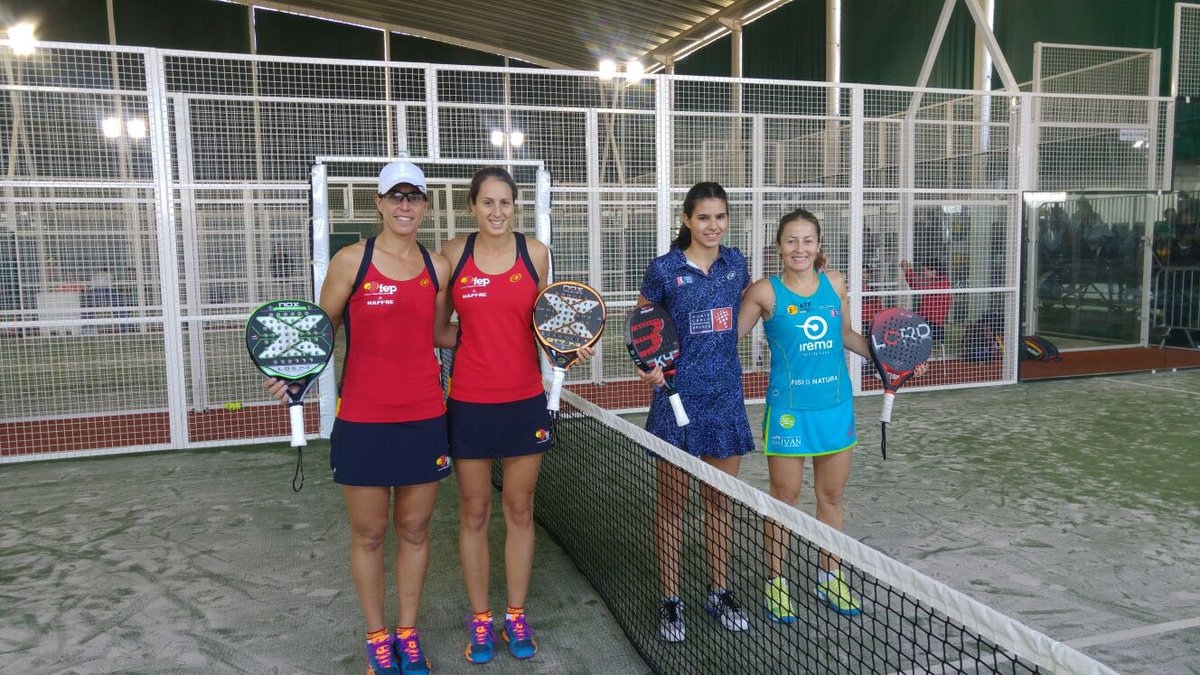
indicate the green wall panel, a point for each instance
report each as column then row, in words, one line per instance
column 282, row 34
column 201, row 25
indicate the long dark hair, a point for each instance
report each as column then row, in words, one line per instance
column 497, row 172
column 699, row 192
column 804, row 216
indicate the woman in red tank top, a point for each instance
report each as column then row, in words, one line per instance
column 496, row 401
column 389, row 438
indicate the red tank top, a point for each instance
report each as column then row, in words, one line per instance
column 391, row 374
column 496, row 360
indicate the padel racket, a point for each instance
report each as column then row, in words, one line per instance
column 900, row 342
column 652, row 341
column 567, row 316
column 291, row 340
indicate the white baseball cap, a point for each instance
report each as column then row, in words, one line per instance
column 401, row 172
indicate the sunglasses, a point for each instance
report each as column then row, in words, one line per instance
column 412, row 197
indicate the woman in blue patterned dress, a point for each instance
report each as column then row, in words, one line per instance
column 700, row 282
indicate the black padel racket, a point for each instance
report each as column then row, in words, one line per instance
column 291, row 340
column 652, row 341
column 900, row 342
column 567, row 316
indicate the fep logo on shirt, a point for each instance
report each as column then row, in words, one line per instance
column 711, row 321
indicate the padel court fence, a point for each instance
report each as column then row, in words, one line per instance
column 153, row 198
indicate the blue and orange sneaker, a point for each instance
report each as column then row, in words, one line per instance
column 519, row 637
column 481, row 647
column 381, row 656
column 412, row 659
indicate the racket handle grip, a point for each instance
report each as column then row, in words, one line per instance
column 296, row 415
column 681, row 416
column 885, row 415
column 555, row 388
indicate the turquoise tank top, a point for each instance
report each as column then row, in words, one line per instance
column 808, row 364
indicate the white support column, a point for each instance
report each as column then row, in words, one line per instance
column 168, row 271
column 664, row 138
column 857, row 225
column 319, row 190
column 433, row 147
column 758, row 239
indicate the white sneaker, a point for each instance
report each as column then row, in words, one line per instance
column 670, row 624
column 725, row 608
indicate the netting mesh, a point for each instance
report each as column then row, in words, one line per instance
column 153, row 198
column 603, row 469
column 1185, row 67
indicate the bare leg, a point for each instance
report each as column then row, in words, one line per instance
column 830, row 473
column 474, row 510
column 411, row 513
column 368, row 508
column 520, row 480
column 718, row 523
column 672, row 496
column 786, row 478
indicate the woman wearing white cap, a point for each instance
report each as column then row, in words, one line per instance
column 389, row 438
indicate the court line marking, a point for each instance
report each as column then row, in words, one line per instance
column 1122, row 380
column 1140, row 632
column 1079, row 643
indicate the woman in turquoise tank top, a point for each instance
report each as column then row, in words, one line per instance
column 810, row 412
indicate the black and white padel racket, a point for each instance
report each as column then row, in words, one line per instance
column 567, row 316
column 652, row 340
column 291, row 340
column 900, row 342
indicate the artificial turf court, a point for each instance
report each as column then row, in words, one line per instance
column 1071, row 505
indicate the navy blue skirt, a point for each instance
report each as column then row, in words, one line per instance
column 490, row 430
column 387, row 454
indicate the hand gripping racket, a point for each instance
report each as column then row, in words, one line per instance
column 652, row 341
column 900, row 342
column 567, row 316
column 291, row 340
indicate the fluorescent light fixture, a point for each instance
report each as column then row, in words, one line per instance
column 497, row 137
column 516, row 138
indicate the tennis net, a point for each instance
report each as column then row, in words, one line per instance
column 597, row 498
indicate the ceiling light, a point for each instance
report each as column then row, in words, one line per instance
column 634, row 71
column 111, row 127
column 22, row 40
column 497, row 137
column 608, row 69
column 516, row 138
column 136, row 128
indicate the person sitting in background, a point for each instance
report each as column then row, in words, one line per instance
column 934, row 307
column 1185, row 252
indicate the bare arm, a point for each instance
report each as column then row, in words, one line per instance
column 851, row 338
column 758, row 302
column 445, row 334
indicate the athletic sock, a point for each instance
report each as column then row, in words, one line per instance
column 404, row 632
column 485, row 615
column 513, row 613
column 825, row 575
column 374, row 636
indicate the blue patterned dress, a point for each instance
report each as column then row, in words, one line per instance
column 708, row 376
